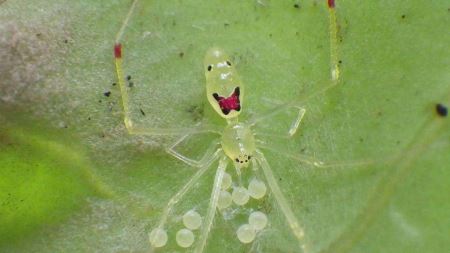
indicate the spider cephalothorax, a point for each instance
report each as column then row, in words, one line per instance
column 224, row 89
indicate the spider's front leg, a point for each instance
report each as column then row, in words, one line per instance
column 129, row 124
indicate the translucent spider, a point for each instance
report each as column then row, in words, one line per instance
column 237, row 145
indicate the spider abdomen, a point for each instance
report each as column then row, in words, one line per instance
column 238, row 143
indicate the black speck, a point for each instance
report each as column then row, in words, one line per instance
column 441, row 110
column 209, row 68
column 226, row 24
column 196, row 111
column 128, row 78
column 181, row 54
column 228, row 63
column 237, row 160
column 340, row 61
column 130, row 84
column 114, row 84
column 89, row 118
column 66, row 41
column 99, row 100
column 403, row 16
column 107, row 94
column 241, row 161
column 142, row 112
column 297, row 6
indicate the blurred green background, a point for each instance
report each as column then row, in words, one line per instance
column 73, row 180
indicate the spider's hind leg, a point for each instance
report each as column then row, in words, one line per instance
column 192, row 219
column 280, row 199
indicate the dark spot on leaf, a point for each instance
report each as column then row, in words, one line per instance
column 297, row 6
column 181, row 54
column 196, row 112
column 114, row 84
column 228, row 63
column 130, row 84
column 107, row 94
column 403, row 16
column 142, row 112
column 128, row 77
column 209, row 68
column 441, row 110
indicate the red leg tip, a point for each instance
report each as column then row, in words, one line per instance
column 118, row 50
column 331, row 4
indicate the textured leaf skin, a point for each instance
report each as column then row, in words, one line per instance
column 98, row 188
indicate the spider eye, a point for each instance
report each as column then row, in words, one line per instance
column 209, row 67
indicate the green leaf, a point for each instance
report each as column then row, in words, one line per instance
column 87, row 185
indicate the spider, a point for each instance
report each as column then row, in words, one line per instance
column 236, row 145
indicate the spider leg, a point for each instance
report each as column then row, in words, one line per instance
column 281, row 109
column 185, row 189
column 333, row 28
column 318, row 163
column 212, row 207
column 293, row 222
column 129, row 124
column 335, row 74
column 132, row 129
column 206, row 159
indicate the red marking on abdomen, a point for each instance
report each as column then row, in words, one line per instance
column 118, row 50
column 331, row 4
column 230, row 103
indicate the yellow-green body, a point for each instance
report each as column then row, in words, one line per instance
column 222, row 79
